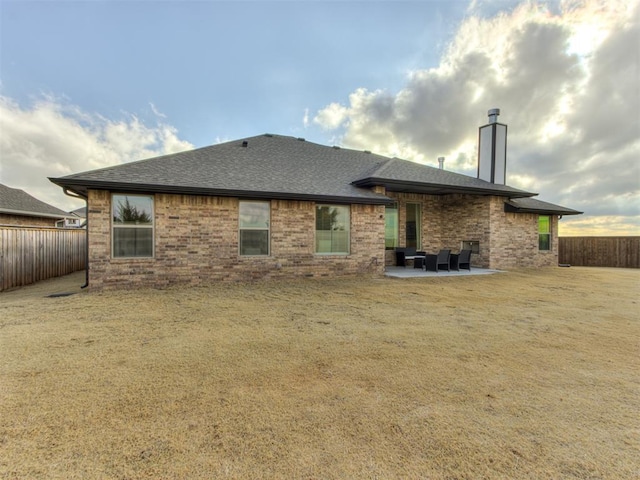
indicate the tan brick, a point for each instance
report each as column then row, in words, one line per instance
column 196, row 242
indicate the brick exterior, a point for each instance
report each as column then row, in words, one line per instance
column 26, row 221
column 506, row 240
column 196, row 242
column 196, row 239
column 514, row 242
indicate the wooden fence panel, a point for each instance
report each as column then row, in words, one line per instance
column 28, row 255
column 600, row 251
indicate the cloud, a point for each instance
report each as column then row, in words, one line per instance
column 566, row 78
column 155, row 111
column 53, row 138
column 332, row 116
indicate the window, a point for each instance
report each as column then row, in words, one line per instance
column 391, row 227
column 132, row 225
column 544, row 232
column 473, row 245
column 413, row 225
column 332, row 229
column 254, row 220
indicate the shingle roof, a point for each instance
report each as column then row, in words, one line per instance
column 533, row 205
column 18, row 202
column 79, row 212
column 275, row 166
column 405, row 176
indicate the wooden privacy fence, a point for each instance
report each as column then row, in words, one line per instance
column 28, row 255
column 599, row 251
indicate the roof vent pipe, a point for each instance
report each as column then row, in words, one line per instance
column 441, row 163
column 493, row 115
column 245, row 144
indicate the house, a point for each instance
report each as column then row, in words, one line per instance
column 273, row 206
column 77, row 219
column 18, row 208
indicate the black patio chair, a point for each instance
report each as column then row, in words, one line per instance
column 400, row 257
column 438, row 262
column 442, row 261
column 461, row 260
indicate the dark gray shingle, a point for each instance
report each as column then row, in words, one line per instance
column 274, row 166
column 18, row 202
column 533, row 205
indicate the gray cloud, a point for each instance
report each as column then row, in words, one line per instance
column 568, row 85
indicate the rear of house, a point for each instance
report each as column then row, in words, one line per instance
column 281, row 207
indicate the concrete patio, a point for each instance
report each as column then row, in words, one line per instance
column 410, row 272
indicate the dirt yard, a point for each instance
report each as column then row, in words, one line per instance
column 524, row 375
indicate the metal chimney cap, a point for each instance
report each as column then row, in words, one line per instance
column 494, row 111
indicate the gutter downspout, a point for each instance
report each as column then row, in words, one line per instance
column 86, row 223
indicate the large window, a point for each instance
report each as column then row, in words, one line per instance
column 132, row 225
column 413, row 225
column 544, row 232
column 254, row 220
column 332, row 229
column 391, row 227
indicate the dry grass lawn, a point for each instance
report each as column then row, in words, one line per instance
column 526, row 375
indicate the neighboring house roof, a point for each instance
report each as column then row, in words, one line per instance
column 14, row 201
column 79, row 212
column 533, row 205
column 282, row 167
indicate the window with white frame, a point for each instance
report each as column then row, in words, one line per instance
column 332, row 229
column 132, row 225
column 254, row 221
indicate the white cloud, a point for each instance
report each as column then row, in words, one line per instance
column 332, row 116
column 155, row 111
column 53, row 138
column 565, row 77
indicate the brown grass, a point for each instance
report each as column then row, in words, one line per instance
column 527, row 374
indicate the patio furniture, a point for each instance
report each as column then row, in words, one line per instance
column 443, row 259
column 438, row 262
column 418, row 260
column 461, row 260
column 407, row 253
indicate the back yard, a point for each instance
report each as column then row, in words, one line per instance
column 526, row 374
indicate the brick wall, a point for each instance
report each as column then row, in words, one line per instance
column 25, row 221
column 196, row 239
column 447, row 221
column 506, row 240
column 515, row 240
column 196, row 242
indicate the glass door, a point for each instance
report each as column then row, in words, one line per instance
column 414, row 227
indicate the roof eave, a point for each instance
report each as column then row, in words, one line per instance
column 81, row 187
column 540, row 211
column 438, row 188
column 27, row 213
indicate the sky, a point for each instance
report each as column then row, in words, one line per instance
column 89, row 84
